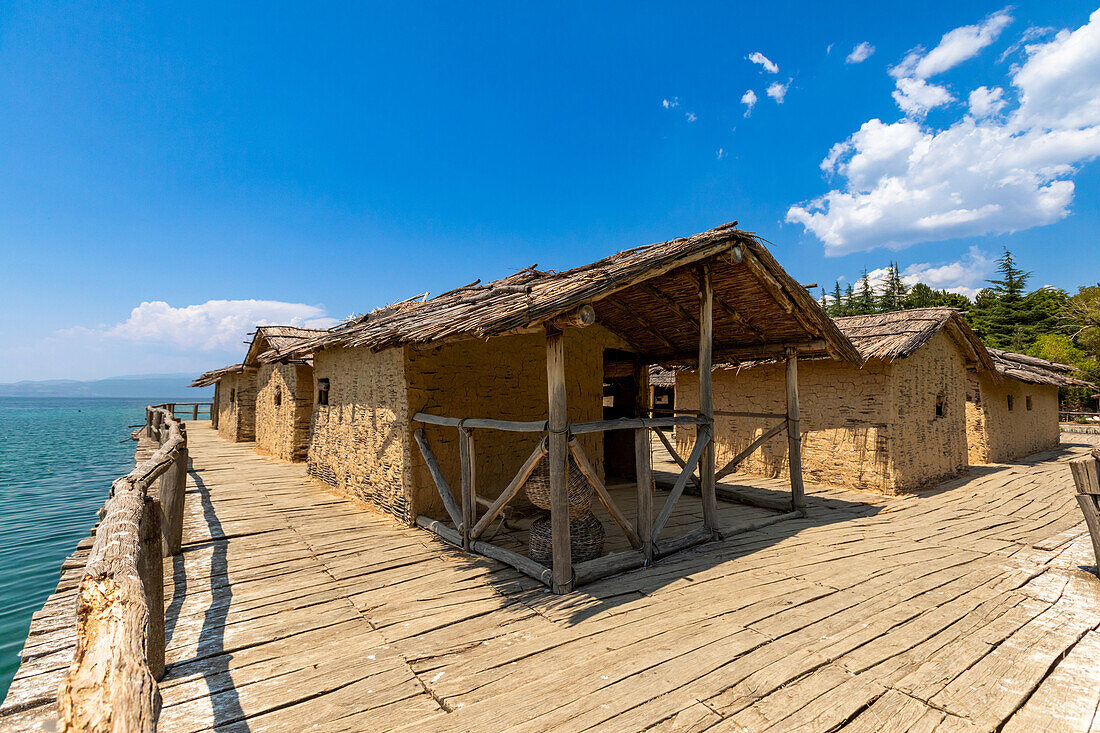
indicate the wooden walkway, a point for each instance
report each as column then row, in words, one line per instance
column 965, row 608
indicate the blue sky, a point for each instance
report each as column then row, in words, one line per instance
column 174, row 174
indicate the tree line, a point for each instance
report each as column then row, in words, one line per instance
column 1046, row 322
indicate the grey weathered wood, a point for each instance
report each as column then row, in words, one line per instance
column 468, row 459
column 441, row 485
column 558, row 457
column 632, row 423
column 764, row 415
column 525, row 565
column 151, row 570
column 511, row 490
column 643, row 473
column 706, row 397
column 675, row 455
column 173, row 485
column 580, row 318
column 693, row 537
column 728, row 493
column 701, row 441
column 602, row 494
column 729, row 530
column 513, row 426
column 1090, row 508
column 794, row 436
column 749, row 450
column 440, row 529
column 613, row 564
column 1086, row 477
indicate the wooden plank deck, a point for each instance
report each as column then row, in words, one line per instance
column 964, row 608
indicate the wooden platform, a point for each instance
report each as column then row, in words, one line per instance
column 965, row 608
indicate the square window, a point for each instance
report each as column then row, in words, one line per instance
column 322, row 391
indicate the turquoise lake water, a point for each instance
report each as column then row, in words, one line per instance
column 58, row 458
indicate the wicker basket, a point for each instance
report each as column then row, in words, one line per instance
column 577, row 488
column 585, row 539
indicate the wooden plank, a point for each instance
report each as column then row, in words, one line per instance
column 633, row 423
column 468, row 459
column 602, row 494
column 445, row 492
column 513, row 426
column 558, row 457
column 601, row 567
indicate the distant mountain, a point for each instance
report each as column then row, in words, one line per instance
column 160, row 387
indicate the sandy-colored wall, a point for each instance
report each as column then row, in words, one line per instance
column 869, row 429
column 926, row 449
column 844, row 417
column 503, row 378
column 282, row 430
column 237, row 413
column 359, row 442
column 997, row 435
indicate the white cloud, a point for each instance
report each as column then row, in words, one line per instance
column 986, row 173
column 720, row 154
column 749, row 100
column 778, row 91
column 829, row 49
column 670, row 103
column 860, row 53
column 956, row 46
column 985, row 102
column 916, row 96
column 758, row 58
column 690, row 116
column 209, row 326
column 966, row 276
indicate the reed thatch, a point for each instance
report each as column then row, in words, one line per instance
column 207, row 378
column 899, row 334
column 649, row 296
column 271, row 343
column 661, row 377
column 1034, row 370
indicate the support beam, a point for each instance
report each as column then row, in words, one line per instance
column 512, row 489
column 749, row 450
column 702, row 440
column 671, row 303
column 562, row 568
column 794, row 435
column 469, row 482
column 441, row 485
column 675, row 456
column 643, row 472
column 602, row 494
column 706, row 396
column 642, row 322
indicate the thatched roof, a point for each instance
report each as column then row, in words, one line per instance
column 207, row 378
column 648, row 296
column 899, row 334
column 1034, row 370
column 270, row 343
column 661, row 377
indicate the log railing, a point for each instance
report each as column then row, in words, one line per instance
column 1073, row 416
column 1086, row 476
column 194, row 409
column 112, row 683
column 643, row 534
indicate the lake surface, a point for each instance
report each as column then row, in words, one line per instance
column 58, row 457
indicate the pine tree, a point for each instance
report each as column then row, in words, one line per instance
column 865, row 301
column 893, row 290
column 849, row 300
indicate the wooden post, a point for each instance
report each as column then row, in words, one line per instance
column 151, row 569
column 173, row 486
column 214, row 405
column 643, row 467
column 559, row 455
column 706, row 397
column 794, row 435
column 195, row 411
column 469, row 483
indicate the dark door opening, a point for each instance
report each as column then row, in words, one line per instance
column 620, row 399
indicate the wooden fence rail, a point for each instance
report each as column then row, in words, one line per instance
column 112, row 683
column 196, row 408
column 1086, row 476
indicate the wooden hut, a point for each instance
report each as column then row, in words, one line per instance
column 1014, row 412
column 662, row 390
column 284, row 397
column 234, row 406
column 481, row 387
column 897, row 424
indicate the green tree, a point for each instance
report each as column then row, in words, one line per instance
column 894, row 291
column 1081, row 314
column 1001, row 314
column 864, row 302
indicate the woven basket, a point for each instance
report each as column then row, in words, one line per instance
column 585, row 539
column 577, row 488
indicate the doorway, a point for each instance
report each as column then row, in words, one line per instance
column 620, row 399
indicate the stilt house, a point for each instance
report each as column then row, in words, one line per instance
column 284, row 397
column 484, row 386
column 234, row 406
column 896, row 424
column 1016, row 413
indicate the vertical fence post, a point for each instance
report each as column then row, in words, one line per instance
column 794, row 434
column 469, row 485
column 151, row 569
column 559, row 468
column 643, row 467
column 195, row 411
column 706, row 398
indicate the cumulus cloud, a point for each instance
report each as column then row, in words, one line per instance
column 955, row 47
column 690, row 116
column 210, row 326
column 758, row 58
column 966, row 275
column 749, row 100
column 995, row 170
column 860, row 53
column 778, row 91
column 985, row 102
column 670, row 103
column 916, row 96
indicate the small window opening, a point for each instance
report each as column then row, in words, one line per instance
column 278, row 396
column 233, row 396
column 1010, row 403
column 941, row 404
column 1027, row 401
column 322, row 391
